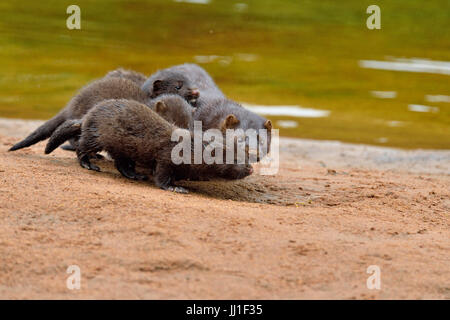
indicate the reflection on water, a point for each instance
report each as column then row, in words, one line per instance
column 394, row 123
column 382, row 140
column 293, row 111
column 409, row 65
column 384, row 94
column 287, row 124
column 421, row 108
column 437, row 98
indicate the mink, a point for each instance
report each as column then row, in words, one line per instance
column 133, row 133
column 82, row 102
column 165, row 81
column 132, row 75
column 195, row 75
column 174, row 109
column 214, row 109
column 226, row 114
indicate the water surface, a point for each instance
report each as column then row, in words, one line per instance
column 264, row 53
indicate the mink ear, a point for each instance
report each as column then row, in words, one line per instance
column 157, row 85
column 268, row 125
column 160, row 107
column 230, row 121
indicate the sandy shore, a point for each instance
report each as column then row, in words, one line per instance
column 309, row 232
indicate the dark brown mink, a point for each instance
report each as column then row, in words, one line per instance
column 174, row 109
column 164, row 82
column 132, row 75
column 196, row 76
column 214, row 109
column 170, row 107
column 82, row 102
column 133, row 133
column 225, row 114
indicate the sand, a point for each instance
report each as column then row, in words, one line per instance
column 309, row 232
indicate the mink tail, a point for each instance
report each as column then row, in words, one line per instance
column 41, row 133
column 69, row 129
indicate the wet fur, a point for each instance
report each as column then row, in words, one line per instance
column 167, row 82
column 225, row 114
column 195, row 75
column 82, row 102
column 213, row 107
column 174, row 109
column 171, row 108
column 133, row 133
column 132, row 75
column 70, row 129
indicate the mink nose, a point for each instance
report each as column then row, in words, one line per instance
column 195, row 93
column 250, row 170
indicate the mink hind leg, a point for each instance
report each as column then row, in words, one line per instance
column 73, row 145
column 87, row 148
column 127, row 168
column 163, row 177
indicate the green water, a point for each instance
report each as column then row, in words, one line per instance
column 275, row 53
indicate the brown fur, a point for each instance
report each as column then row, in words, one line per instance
column 133, row 133
column 132, row 75
column 174, row 109
column 164, row 82
column 82, row 102
column 103, row 89
column 226, row 114
column 214, row 110
column 195, row 76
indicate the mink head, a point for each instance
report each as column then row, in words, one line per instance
column 249, row 129
column 175, row 84
column 175, row 110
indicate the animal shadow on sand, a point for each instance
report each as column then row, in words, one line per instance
column 255, row 188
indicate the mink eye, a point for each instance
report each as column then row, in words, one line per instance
column 179, row 85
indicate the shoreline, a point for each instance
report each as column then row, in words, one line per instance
column 325, row 152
